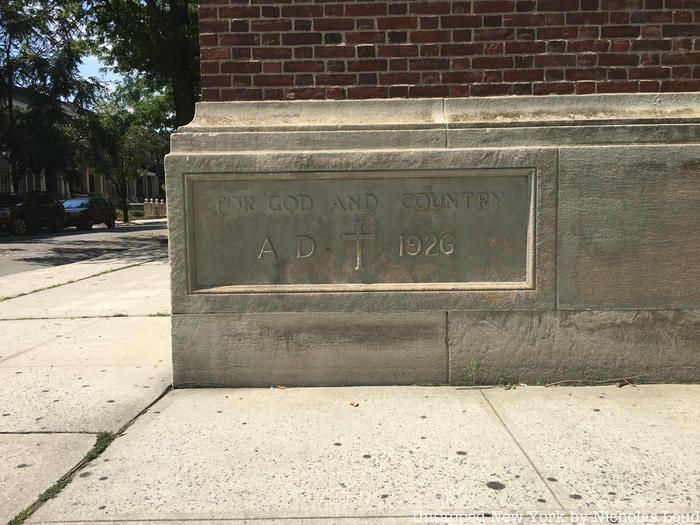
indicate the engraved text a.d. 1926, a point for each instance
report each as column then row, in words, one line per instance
column 442, row 228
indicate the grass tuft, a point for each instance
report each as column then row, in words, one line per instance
column 101, row 443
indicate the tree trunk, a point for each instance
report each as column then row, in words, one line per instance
column 124, row 197
column 185, row 75
column 183, row 93
column 10, row 72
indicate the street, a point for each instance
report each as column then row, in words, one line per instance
column 45, row 249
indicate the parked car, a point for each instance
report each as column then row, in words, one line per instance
column 83, row 212
column 23, row 212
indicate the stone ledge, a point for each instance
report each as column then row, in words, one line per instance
column 445, row 113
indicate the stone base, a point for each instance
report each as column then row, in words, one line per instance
column 326, row 349
column 601, row 281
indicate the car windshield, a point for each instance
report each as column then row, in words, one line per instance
column 10, row 199
column 76, row 203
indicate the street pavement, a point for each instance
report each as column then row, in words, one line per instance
column 141, row 239
column 91, row 353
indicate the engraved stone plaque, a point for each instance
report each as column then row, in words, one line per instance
column 361, row 231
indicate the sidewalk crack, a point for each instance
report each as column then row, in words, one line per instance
column 522, row 450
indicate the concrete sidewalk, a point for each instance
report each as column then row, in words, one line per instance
column 385, row 454
column 80, row 358
column 90, row 355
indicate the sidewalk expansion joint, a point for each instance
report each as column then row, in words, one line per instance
column 57, row 285
column 102, row 442
column 45, row 342
column 522, row 450
column 46, row 432
column 113, row 316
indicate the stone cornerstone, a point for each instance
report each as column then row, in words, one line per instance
column 466, row 240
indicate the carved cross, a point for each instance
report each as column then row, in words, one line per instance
column 358, row 236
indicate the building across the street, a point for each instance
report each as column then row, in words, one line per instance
column 90, row 179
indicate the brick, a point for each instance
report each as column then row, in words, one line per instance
column 585, row 74
column 428, row 91
column 334, row 24
column 583, row 46
column 241, row 67
column 494, row 6
column 212, row 53
column 239, row 39
column 457, row 22
column 302, row 11
column 367, row 92
column 525, row 20
column 617, row 87
column 553, row 88
column 334, row 52
column 461, row 49
column 594, row 18
column 557, row 5
column 241, row 94
column 399, row 78
column 366, row 9
column 651, row 45
column 216, row 81
column 430, row 36
column 429, row 8
column 237, row 11
column 555, row 60
column 681, row 30
column 621, row 5
column 492, row 62
column 295, row 39
column 461, row 77
column 523, row 75
column 273, row 80
column 680, row 85
column 422, row 64
column 397, row 22
column 303, row 67
column 585, row 88
column 494, row 34
column 367, row 65
column 398, row 51
column 648, row 73
column 620, row 31
column 490, row 90
column 304, row 93
column 271, row 25
column 367, row 37
column 272, row 52
column 680, row 58
column 525, row 47
column 336, row 80
column 610, row 59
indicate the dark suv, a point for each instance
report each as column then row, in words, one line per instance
column 83, row 212
column 24, row 212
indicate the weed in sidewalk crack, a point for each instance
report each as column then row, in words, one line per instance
column 102, row 442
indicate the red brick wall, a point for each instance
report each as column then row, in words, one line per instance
column 295, row 49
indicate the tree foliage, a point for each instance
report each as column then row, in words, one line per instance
column 156, row 39
column 130, row 135
column 40, row 51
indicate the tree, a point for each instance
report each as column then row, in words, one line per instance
column 40, row 51
column 158, row 39
column 129, row 135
